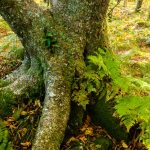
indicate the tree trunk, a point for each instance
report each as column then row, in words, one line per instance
column 138, row 5
column 79, row 28
column 125, row 3
column 148, row 17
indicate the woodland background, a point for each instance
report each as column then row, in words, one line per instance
column 129, row 38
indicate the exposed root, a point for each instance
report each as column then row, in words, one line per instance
column 55, row 114
column 24, row 85
column 27, row 85
column 22, row 69
column 26, row 82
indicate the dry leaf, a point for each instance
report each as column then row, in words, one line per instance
column 89, row 131
column 83, row 139
column 26, row 144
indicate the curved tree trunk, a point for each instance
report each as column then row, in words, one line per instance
column 79, row 28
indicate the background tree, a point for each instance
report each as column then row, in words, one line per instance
column 148, row 18
column 138, row 5
column 56, row 46
column 110, row 13
column 125, row 3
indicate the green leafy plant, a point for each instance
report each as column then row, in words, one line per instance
column 102, row 70
column 91, row 80
column 7, row 102
column 132, row 95
column 135, row 109
column 5, row 143
column 50, row 41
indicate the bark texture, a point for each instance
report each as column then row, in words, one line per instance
column 79, row 26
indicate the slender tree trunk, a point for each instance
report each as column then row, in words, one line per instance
column 125, row 3
column 138, row 5
column 110, row 13
column 148, row 17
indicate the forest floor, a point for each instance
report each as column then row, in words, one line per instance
column 129, row 35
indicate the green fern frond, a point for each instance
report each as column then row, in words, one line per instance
column 5, row 143
column 145, row 136
column 131, row 107
column 135, row 109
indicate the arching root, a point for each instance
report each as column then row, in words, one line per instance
column 22, row 69
column 27, row 85
column 55, row 112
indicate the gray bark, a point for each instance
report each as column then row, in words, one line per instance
column 80, row 28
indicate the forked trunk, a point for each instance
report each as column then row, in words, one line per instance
column 76, row 28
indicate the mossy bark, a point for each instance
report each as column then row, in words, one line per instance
column 80, row 29
column 102, row 114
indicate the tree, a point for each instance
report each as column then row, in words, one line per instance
column 148, row 17
column 138, row 5
column 56, row 44
column 125, row 3
column 110, row 13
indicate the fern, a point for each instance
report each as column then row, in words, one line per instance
column 5, row 144
column 145, row 136
column 105, row 68
column 91, row 80
column 135, row 109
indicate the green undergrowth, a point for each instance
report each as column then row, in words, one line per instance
column 129, row 34
column 11, row 50
column 7, row 101
column 3, row 24
column 129, row 38
column 11, row 47
column 5, row 143
column 132, row 95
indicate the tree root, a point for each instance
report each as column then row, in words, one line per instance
column 55, row 113
column 27, row 85
column 22, row 69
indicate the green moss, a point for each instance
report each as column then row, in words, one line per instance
column 3, row 83
column 7, row 100
column 16, row 53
